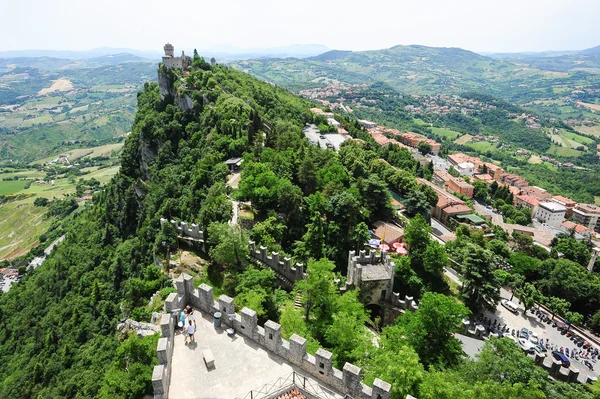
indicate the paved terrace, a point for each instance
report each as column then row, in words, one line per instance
column 240, row 365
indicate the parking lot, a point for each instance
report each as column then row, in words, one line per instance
column 543, row 330
column 314, row 136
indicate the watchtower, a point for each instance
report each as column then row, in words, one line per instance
column 169, row 50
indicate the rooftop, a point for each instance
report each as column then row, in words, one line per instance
column 588, row 208
column 241, row 365
column 529, row 199
column 388, row 232
column 553, row 206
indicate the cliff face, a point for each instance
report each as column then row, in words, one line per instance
column 167, row 90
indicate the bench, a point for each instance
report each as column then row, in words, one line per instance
column 209, row 359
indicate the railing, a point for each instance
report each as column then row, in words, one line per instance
column 294, row 380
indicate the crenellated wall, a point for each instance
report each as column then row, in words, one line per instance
column 320, row 366
column 285, row 268
column 185, row 230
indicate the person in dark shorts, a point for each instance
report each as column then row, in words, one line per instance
column 191, row 329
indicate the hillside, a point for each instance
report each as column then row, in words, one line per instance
column 539, row 83
column 43, row 112
column 305, row 202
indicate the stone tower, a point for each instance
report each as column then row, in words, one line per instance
column 169, row 50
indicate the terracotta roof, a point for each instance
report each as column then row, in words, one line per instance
column 388, row 232
column 458, row 208
column 529, row 199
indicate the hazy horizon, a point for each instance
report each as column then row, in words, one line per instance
column 512, row 26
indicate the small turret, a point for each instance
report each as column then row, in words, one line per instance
column 169, row 50
column 213, row 61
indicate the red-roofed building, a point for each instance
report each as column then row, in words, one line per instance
column 566, row 202
column 458, row 185
column 577, row 228
column 448, row 205
column 527, row 201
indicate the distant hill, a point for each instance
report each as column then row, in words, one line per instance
column 414, row 69
column 52, row 63
column 330, row 55
column 591, row 51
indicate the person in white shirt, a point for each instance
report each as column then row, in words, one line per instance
column 191, row 329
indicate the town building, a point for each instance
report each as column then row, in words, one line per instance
column 447, row 206
column 388, row 233
column 527, row 201
column 487, row 179
column 579, row 230
column 170, row 61
column 587, row 215
column 441, row 176
column 460, row 186
column 367, row 124
column 514, row 180
column 551, row 213
column 566, row 202
column 493, row 170
column 537, row 192
column 465, row 168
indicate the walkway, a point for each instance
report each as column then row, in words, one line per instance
column 240, row 365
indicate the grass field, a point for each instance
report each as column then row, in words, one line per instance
column 534, row 159
column 591, row 130
column 565, row 152
column 446, row 133
column 92, row 152
column 483, row 146
column 11, row 187
column 463, row 139
column 597, row 200
column 577, row 138
column 21, row 223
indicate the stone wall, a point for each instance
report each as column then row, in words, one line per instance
column 320, row 366
column 183, row 229
column 285, row 268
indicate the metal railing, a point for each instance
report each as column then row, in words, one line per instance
column 294, row 380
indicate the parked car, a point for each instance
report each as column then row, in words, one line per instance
column 526, row 345
column 564, row 361
column 534, row 338
column 510, row 306
column 524, row 333
column 322, row 137
column 541, row 349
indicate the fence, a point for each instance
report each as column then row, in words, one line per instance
column 294, row 380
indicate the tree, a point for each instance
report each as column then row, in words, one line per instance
column 557, row 305
column 417, row 204
column 573, row 318
column 346, row 334
column 318, row 292
column 429, row 330
column 594, row 322
column 499, row 248
column 228, row 246
column 515, row 283
column 424, row 148
column 360, row 235
column 527, row 295
column 40, row 201
column 481, row 290
column 398, row 365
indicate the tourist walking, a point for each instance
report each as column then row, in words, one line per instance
column 191, row 329
column 182, row 318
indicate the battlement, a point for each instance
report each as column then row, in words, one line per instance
column 369, row 266
column 170, row 61
column 285, row 268
column 183, row 229
column 320, row 366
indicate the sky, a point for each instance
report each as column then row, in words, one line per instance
column 476, row 25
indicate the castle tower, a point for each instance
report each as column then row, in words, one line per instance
column 169, row 50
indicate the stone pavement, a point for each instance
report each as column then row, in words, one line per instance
column 240, row 365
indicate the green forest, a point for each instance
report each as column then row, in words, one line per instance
column 58, row 334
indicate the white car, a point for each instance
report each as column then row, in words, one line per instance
column 534, row 338
column 526, row 345
column 513, row 307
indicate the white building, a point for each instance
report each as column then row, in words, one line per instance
column 551, row 213
column 465, row 168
